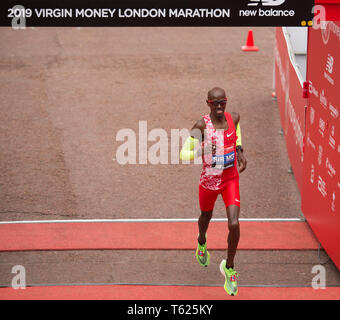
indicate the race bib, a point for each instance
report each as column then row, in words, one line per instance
column 224, row 161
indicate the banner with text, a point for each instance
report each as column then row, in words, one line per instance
column 156, row 13
column 321, row 182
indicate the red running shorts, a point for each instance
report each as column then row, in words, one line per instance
column 230, row 194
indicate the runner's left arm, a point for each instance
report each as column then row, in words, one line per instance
column 241, row 160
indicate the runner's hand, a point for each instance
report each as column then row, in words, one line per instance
column 242, row 161
column 210, row 148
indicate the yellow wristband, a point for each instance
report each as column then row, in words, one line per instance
column 238, row 133
column 187, row 152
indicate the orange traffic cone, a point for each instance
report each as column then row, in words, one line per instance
column 250, row 43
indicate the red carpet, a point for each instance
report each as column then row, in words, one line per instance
column 152, row 236
column 134, row 292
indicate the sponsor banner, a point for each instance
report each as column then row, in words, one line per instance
column 320, row 198
column 331, row 8
column 291, row 105
column 156, row 13
column 295, row 111
column 327, row 2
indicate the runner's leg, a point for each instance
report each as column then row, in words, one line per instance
column 233, row 213
column 203, row 224
column 231, row 198
column 207, row 199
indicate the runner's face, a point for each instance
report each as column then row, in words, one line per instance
column 217, row 105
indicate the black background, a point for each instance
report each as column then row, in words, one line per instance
column 302, row 9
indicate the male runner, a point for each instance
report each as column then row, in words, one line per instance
column 221, row 145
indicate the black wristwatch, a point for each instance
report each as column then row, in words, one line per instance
column 239, row 148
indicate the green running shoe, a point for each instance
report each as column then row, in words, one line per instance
column 230, row 275
column 202, row 255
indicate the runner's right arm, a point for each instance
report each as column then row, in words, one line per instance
column 188, row 149
column 196, row 137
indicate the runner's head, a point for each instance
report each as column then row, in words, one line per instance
column 217, row 101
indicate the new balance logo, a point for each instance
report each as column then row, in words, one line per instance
column 266, row 2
